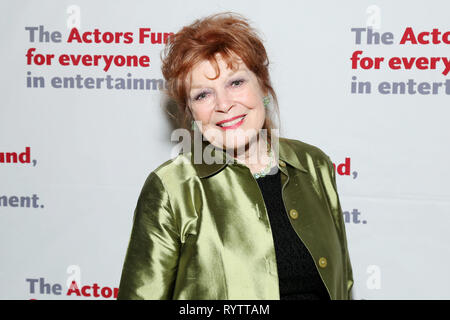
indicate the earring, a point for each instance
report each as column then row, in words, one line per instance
column 193, row 125
column 266, row 101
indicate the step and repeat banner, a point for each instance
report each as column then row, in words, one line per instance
column 83, row 122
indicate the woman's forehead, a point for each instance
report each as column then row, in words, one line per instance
column 206, row 69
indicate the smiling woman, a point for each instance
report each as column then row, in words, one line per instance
column 266, row 223
column 217, row 51
column 225, row 102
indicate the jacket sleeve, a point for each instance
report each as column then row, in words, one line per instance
column 336, row 207
column 150, row 265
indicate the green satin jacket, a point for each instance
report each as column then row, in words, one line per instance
column 201, row 231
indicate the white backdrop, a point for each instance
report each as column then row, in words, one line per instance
column 66, row 204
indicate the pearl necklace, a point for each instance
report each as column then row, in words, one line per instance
column 266, row 170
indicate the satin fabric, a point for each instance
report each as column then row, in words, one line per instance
column 201, row 231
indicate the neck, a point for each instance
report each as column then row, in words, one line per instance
column 255, row 155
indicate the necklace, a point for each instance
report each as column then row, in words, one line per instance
column 266, row 170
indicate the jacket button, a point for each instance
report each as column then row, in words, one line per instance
column 322, row 262
column 282, row 164
column 293, row 213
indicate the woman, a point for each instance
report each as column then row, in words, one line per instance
column 255, row 223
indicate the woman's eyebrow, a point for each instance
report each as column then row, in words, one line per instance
column 230, row 73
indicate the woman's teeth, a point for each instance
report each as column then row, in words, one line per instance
column 230, row 123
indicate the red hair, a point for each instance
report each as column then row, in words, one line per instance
column 227, row 34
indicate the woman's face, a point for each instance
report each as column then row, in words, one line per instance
column 229, row 108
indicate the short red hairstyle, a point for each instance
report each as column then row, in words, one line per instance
column 227, row 34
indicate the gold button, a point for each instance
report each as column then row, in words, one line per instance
column 293, row 213
column 322, row 262
column 282, row 163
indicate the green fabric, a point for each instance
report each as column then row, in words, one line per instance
column 201, row 231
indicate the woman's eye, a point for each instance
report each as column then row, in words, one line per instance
column 200, row 96
column 237, row 83
column 203, row 95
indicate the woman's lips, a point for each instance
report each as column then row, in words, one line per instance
column 224, row 125
column 231, row 119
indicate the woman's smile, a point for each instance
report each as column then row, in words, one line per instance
column 232, row 123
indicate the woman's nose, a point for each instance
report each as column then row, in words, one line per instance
column 223, row 101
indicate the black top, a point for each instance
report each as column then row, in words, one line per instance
column 297, row 273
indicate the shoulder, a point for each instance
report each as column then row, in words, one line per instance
column 171, row 173
column 303, row 147
column 305, row 152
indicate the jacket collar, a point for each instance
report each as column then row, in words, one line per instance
column 208, row 168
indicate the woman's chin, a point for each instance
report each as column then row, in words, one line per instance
column 237, row 139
